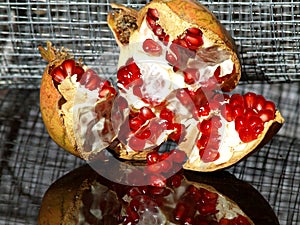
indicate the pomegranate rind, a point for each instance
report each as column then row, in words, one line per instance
column 62, row 201
column 50, row 100
column 271, row 128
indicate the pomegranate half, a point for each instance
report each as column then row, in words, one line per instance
column 175, row 61
column 84, row 197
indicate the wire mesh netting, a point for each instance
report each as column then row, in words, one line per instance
column 267, row 34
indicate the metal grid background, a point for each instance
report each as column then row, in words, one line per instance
column 267, row 34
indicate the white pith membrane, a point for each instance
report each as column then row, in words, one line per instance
column 156, row 215
column 85, row 116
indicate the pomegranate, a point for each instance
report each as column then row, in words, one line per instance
column 92, row 199
column 176, row 61
column 63, row 83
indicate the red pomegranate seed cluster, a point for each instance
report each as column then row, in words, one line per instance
column 249, row 112
column 195, row 206
column 209, row 142
column 128, row 73
column 67, row 68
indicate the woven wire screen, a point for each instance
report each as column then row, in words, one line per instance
column 267, row 34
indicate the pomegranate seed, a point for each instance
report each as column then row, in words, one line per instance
column 172, row 57
column 153, row 13
column 236, row 99
column 193, row 41
column 249, row 112
column 164, row 156
column 209, row 196
column 143, row 134
column 204, row 110
column 226, row 112
column 240, row 122
column 166, row 114
column 207, row 209
column 191, row 75
column 152, row 47
column 135, row 123
column 249, row 99
column 158, row 31
column 205, row 127
column 247, row 134
column 195, row 31
column 79, row 71
column 146, row 113
column 270, row 106
column 179, row 212
column 266, row 115
column 237, row 110
column 184, row 97
column 202, row 142
column 134, row 217
column 134, row 191
column 259, row 103
column 151, row 22
column 256, row 123
column 58, row 74
column 152, row 157
column 68, row 66
column 107, row 92
column 178, row 130
column 225, row 221
column 136, row 144
column 209, row 155
column 157, row 180
column 175, row 180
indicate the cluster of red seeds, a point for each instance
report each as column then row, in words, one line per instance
column 209, row 142
column 144, row 127
column 249, row 112
column 195, row 206
column 89, row 78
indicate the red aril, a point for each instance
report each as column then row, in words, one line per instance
column 249, row 99
column 259, row 103
column 152, row 47
column 135, row 123
column 146, row 113
column 266, row 115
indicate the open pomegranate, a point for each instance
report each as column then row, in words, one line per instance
column 66, row 85
column 84, row 197
column 176, row 61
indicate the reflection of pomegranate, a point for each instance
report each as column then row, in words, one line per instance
column 84, row 197
column 175, row 62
